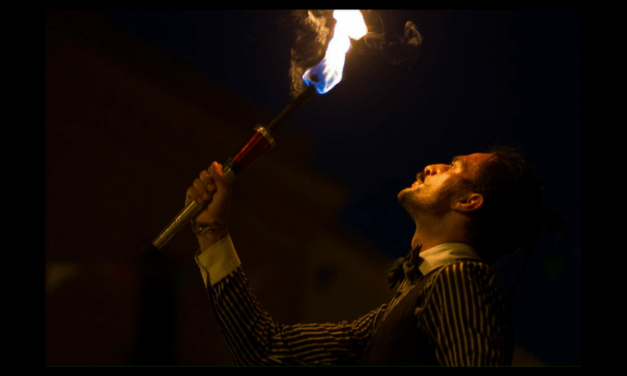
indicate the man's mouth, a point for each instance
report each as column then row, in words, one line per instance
column 420, row 181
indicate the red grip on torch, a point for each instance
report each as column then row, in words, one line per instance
column 261, row 141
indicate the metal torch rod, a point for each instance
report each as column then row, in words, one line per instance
column 291, row 108
column 255, row 146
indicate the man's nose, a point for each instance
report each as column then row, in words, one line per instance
column 434, row 169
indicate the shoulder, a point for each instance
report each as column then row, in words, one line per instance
column 467, row 269
column 466, row 275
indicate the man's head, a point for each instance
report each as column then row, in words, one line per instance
column 441, row 188
column 493, row 200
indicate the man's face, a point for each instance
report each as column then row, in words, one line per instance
column 438, row 185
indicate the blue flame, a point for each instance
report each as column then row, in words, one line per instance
column 324, row 76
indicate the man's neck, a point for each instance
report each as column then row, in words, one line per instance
column 432, row 233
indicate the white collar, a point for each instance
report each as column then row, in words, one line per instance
column 443, row 254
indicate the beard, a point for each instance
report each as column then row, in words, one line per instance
column 417, row 200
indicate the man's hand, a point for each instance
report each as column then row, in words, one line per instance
column 212, row 191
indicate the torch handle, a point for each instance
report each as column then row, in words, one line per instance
column 180, row 220
column 256, row 145
column 185, row 215
column 261, row 141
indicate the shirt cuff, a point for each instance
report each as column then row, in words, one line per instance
column 217, row 261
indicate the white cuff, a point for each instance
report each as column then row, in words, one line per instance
column 217, row 261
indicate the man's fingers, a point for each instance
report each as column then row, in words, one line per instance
column 207, row 181
column 192, row 194
column 205, row 186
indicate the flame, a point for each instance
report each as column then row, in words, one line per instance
column 328, row 72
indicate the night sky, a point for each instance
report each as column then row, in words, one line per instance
column 483, row 78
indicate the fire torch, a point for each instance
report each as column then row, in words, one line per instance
column 319, row 79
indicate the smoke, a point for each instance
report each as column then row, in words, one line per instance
column 314, row 29
column 396, row 49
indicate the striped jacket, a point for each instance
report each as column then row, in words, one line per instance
column 463, row 314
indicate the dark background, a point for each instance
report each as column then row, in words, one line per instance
column 483, row 78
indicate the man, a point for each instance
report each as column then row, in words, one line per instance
column 449, row 308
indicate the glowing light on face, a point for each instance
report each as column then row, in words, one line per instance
column 328, row 72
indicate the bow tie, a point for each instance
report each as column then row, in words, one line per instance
column 406, row 267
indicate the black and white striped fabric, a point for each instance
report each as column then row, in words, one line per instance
column 463, row 313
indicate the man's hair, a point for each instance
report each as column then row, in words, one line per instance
column 513, row 212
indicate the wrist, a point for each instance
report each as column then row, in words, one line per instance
column 208, row 240
column 209, row 233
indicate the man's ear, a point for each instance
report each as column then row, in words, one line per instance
column 469, row 202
